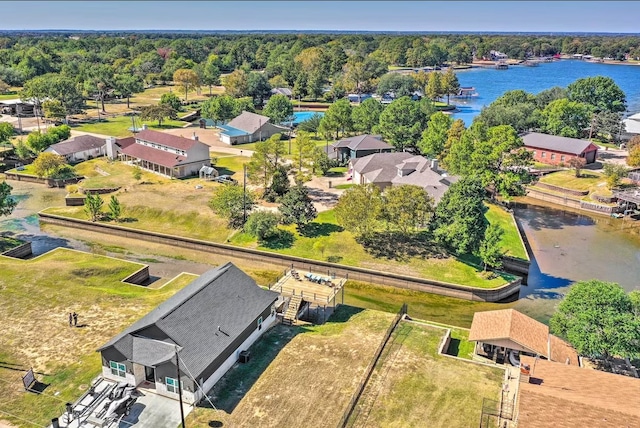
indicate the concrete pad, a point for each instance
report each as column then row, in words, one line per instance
column 154, row 411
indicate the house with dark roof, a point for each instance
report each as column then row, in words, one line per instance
column 80, row 148
column 555, row 150
column 164, row 154
column 508, row 334
column 394, row 169
column 207, row 324
column 359, row 146
column 247, row 128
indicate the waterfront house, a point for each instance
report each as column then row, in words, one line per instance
column 164, row 154
column 394, row 169
column 556, row 150
column 507, row 334
column 359, row 146
column 207, row 323
column 80, row 148
column 247, row 128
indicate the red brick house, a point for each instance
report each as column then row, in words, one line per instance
column 555, row 150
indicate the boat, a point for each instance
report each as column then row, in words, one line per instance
column 501, row 65
column 531, row 63
column 466, row 92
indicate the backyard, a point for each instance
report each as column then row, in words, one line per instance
column 119, row 126
column 568, row 180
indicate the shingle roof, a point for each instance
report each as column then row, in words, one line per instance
column 224, row 297
column 157, row 156
column 248, row 122
column 573, row 146
column 164, row 139
column 525, row 331
column 77, row 144
column 566, row 396
column 282, row 91
column 363, row 142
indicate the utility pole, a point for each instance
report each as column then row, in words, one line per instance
column 179, row 388
column 244, row 194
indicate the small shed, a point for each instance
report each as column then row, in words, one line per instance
column 208, row 172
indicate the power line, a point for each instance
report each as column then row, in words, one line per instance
column 22, row 419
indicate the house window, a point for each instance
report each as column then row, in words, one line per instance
column 562, row 158
column 118, row 369
column 543, row 155
column 553, row 156
column 260, row 323
column 534, row 153
column 172, row 384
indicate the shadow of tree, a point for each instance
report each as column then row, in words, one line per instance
column 314, row 230
column 280, row 240
column 400, row 247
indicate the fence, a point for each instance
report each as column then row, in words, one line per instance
column 372, row 364
column 494, row 412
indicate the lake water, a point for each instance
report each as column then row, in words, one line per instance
column 491, row 83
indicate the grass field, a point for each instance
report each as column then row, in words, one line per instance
column 310, row 374
column 119, row 126
column 413, row 386
column 568, row 180
column 37, row 295
column 7, row 243
column 511, row 241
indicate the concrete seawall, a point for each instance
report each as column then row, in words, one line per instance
column 281, row 261
column 20, row 252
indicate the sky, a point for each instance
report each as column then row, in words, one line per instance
column 508, row 16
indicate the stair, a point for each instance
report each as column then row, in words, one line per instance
column 291, row 313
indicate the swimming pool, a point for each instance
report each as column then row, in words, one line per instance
column 301, row 116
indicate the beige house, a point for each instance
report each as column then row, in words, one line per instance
column 247, row 128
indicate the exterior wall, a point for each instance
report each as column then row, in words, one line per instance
column 507, row 343
column 363, row 153
column 112, row 354
column 553, row 157
column 138, row 373
column 199, row 153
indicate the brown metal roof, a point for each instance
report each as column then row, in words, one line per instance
column 159, row 157
column 574, row 146
column 567, row 396
column 164, row 139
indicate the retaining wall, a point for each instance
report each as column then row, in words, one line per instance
column 139, row 277
column 20, row 252
column 571, row 202
column 562, row 189
column 74, row 201
column 282, row 261
column 51, row 182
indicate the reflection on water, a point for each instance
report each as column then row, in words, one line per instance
column 568, row 247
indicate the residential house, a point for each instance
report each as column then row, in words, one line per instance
column 247, row 128
column 358, row 98
column 555, row 150
column 207, row 324
column 395, row 169
column 631, row 126
column 359, row 146
column 80, row 148
column 508, row 334
column 552, row 394
column 162, row 153
column 282, row 91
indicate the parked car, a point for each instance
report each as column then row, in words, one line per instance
column 226, row 179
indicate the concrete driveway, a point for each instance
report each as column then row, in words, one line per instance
column 154, row 411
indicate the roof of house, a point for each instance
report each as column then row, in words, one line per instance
column 382, row 168
column 203, row 319
column 566, row 396
column 231, row 131
column 165, row 139
column 159, row 157
column 572, row 146
column 77, row 144
column 248, row 122
column 509, row 324
column 282, row 91
column 363, row 142
column 632, row 124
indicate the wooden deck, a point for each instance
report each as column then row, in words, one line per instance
column 309, row 291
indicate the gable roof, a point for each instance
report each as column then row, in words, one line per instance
column 565, row 396
column 165, row 139
column 159, row 157
column 282, row 91
column 203, row 319
column 363, row 142
column 509, row 324
column 574, row 146
column 248, row 122
column 77, row 144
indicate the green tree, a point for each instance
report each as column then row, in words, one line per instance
column 158, row 112
column 304, row 155
column 211, row 72
column 279, row 184
column 600, row 92
column 566, row 118
column 127, row 85
column 367, row 115
column 7, row 203
column 435, row 136
column 172, row 100
column 4, row 88
column 459, row 222
column 577, row 164
column 407, row 207
column 219, row 109
column 402, row 123
column 279, row 108
column 450, row 83
column 231, row 203
column 235, row 84
column 98, row 83
column 338, row 117
column 186, row 79
column 262, row 224
column 53, row 109
column 359, row 209
column 598, row 319
column 312, row 124
column 93, row 206
column 265, row 159
column 22, row 150
column 490, row 251
column 435, row 89
column 243, row 104
column 296, row 206
column 634, row 297
column 115, row 208
column 614, row 174
column 6, row 131
column 400, row 85
column 634, row 156
column 258, row 88
column 47, row 165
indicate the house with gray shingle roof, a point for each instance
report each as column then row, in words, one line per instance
column 80, row 148
column 555, row 150
column 360, row 146
column 208, row 323
column 395, row 169
column 247, row 128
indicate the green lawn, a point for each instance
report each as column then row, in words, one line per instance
column 318, row 141
column 230, row 164
column 28, row 170
column 37, row 295
column 568, row 180
column 511, row 241
column 344, row 186
column 112, row 174
column 119, row 126
column 9, row 96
